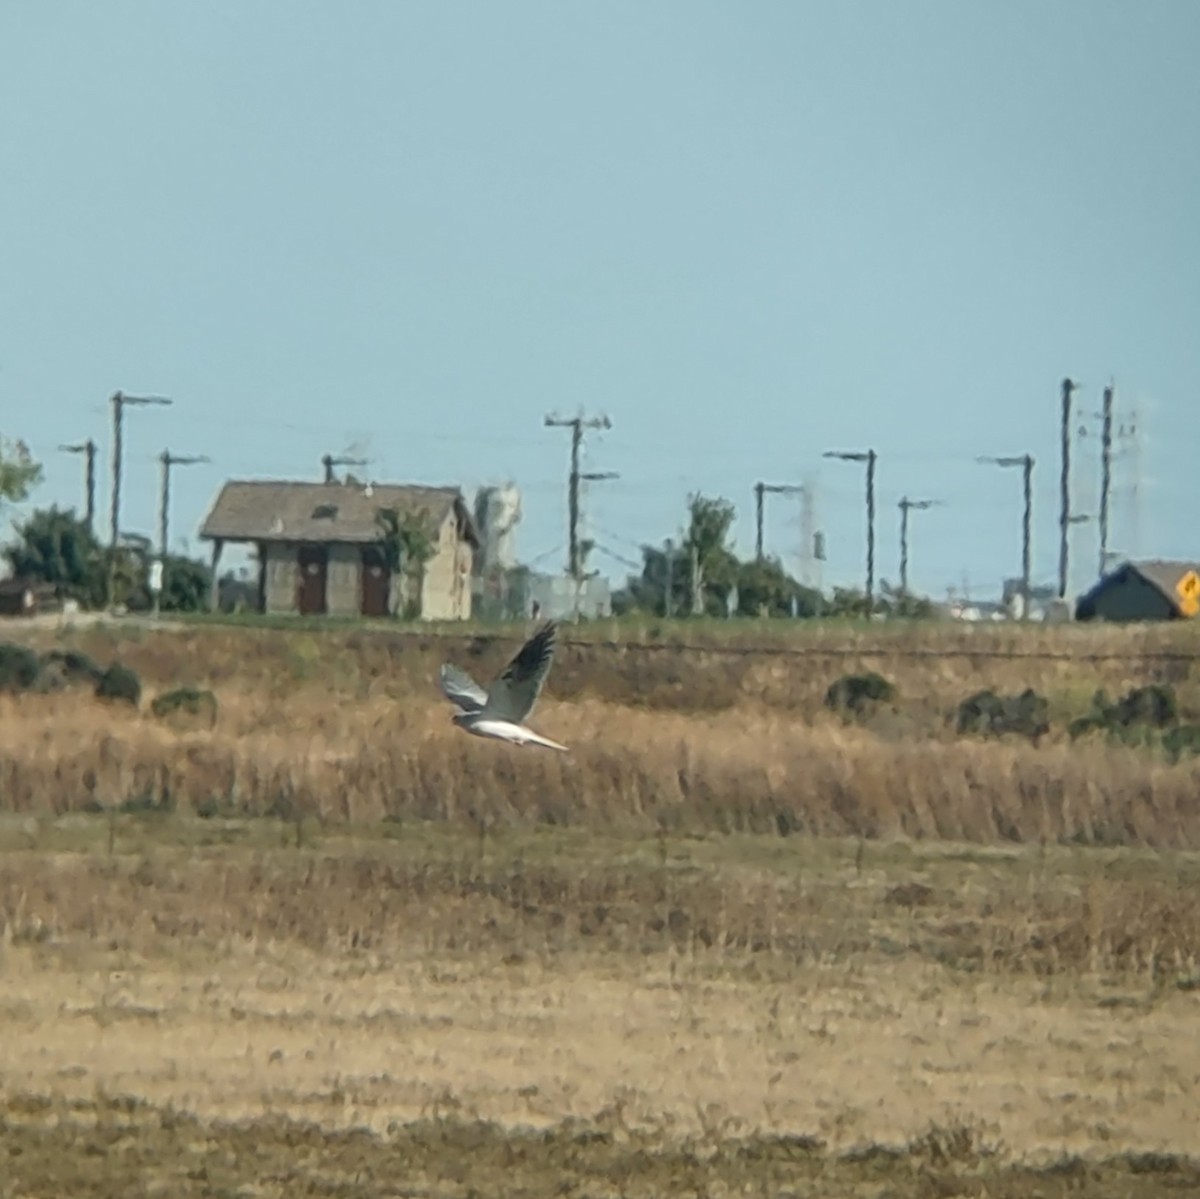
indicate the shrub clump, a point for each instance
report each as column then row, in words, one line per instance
column 1182, row 741
column 121, row 684
column 185, row 701
column 859, row 694
column 990, row 715
column 60, row 668
column 1134, row 719
column 18, row 667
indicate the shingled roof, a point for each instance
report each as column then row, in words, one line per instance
column 1162, row 574
column 275, row 510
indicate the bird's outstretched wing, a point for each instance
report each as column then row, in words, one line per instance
column 459, row 688
column 516, row 690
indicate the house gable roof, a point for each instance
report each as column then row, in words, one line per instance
column 1164, row 575
column 279, row 510
column 1160, row 573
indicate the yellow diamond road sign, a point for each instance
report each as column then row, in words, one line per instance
column 1188, row 589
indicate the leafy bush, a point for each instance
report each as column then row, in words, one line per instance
column 18, row 667
column 121, row 684
column 185, row 701
column 990, row 715
column 858, row 694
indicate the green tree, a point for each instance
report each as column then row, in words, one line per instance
column 663, row 569
column 185, row 586
column 710, row 523
column 765, row 588
column 409, row 541
column 55, row 546
column 19, row 473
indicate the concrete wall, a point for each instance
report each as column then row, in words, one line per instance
column 343, row 585
column 282, row 574
column 446, row 594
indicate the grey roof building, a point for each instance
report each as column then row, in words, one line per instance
column 320, row 548
column 1154, row 589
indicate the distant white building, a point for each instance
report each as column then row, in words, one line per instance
column 497, row 514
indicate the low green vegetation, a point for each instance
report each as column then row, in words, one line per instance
column 990, row 715
column 857, row 695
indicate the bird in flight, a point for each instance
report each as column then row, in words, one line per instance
column 501, row 712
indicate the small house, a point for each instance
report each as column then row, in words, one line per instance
column 322, row 549
column 1144, row 590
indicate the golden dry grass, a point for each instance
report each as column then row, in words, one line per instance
column 752, row 769
column 815, row 1014
column 727, row 945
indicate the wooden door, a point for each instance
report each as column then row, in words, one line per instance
column 376, row 582
column 314, row 570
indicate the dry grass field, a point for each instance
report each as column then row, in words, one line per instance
column 730, row 944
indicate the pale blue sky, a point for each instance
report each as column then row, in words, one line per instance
column 748, row 232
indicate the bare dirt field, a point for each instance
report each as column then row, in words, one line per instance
column 328, row 946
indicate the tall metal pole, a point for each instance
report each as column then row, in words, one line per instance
column 1105, row 473
column 1064, row 517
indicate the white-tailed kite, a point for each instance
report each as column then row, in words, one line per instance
column 501, row 712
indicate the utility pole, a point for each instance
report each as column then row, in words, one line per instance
column 906, row 506
column 119, row 403
column 810, row 552
column 166, row 461
column 577, row 424
column 89, row 448
column 1064, row 517
column 1105, row 473
column 1025, row 461
column 870, row 458
column 669, row 591
column 760, row 489
column 329, row 462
